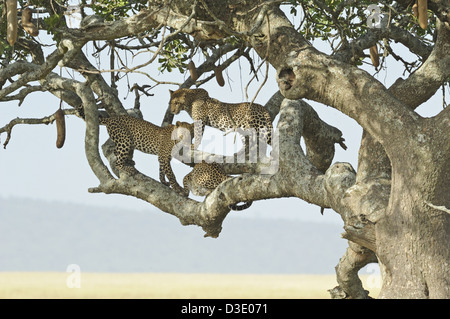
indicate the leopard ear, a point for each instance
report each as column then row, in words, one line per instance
column 171, row 92
column 178, row 123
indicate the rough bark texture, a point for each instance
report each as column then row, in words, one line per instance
column 395, row 206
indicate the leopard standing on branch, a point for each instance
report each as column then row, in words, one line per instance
column 130, row 133
column 205, row 177
column 224, row 116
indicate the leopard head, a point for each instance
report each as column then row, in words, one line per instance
column 182, row 99
column 184, row 130
column 177, row 101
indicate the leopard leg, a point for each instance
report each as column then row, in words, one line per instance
column 123, row 148
column 166, row 170
column 262, row 142
column 199, row 129
column 186, row 181
column 248, row 152
column 162, row 175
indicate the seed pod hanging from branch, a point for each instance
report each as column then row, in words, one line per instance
column 60, row 128
column 11, row 18
column 219, row 76
column 193, row 71
column 423, row 13
column 374, row 56
column 415, row 9
column 27, row 24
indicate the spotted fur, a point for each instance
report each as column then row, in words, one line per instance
column 130, row 133
column 204, row 178
column 224, row 116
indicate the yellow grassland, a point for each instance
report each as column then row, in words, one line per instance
column 44, row 285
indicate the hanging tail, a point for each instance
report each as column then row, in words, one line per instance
column 237, row 207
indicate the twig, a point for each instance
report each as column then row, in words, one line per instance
column 267, row 63
column 444, row 103
column 258, row 22
column 136, row 88
column 24, row 93
column 164, row 39
column 441, row 208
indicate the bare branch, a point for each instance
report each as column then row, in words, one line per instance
column 441, row 208
column 354, row 49
column 423, row 83
column 66, row 52
column 30, row 121
column 24, row 93
column 147, row 20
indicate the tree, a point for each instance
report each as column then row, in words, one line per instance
column 395, row 205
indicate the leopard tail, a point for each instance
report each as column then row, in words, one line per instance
column 237, row 207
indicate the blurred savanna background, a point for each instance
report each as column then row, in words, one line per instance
column 62, row 250
column 40, row 285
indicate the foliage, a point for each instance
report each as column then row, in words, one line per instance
column 117, row 9
column 330, row 19
column 174, row 55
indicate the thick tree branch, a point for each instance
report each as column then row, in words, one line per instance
column 311, row 74
column 355, row 49
column 106, row 93
column 424, row 82
column 151, row 18
column 66, row 51
column 92, row 133
column 350, row 285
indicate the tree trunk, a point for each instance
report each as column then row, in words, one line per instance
column 413, row 236
column 414, row 247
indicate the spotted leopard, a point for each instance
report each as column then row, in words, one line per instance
column 129, row 133
column 225, row 116
column 204, row 178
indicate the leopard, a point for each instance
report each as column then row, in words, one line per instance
column 130, row 133
column 205, row 110
column 205, row 177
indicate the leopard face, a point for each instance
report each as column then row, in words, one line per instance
column 182, row 99
column 177, row 100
